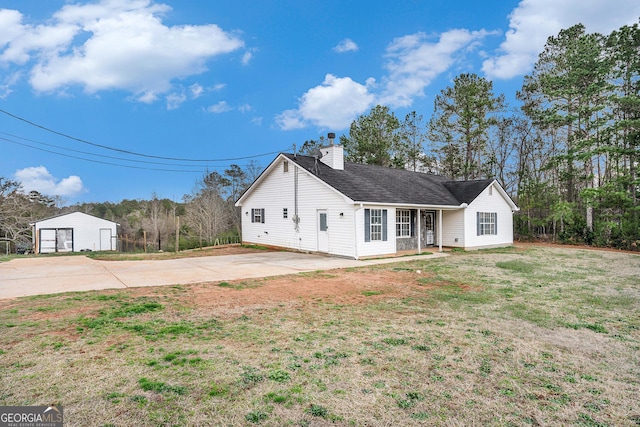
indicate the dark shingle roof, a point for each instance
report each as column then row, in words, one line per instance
column 369, row 183
column 467, row 191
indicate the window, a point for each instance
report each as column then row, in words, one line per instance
column 403, row 223
column 323, row 221
column 285, row 166
column 285, row 213
column 487, row 223
column 375, row 225
column 257, row 215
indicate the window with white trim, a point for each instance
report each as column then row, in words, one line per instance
column 403, row 223
column 487, row 223
column 376, row 224
column 257, row 215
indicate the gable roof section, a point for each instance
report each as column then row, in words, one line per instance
column 467, row 191
column 377, row 184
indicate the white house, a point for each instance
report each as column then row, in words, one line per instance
column 324, row 204
column 74, row 232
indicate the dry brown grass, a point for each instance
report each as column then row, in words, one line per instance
column 506, row 337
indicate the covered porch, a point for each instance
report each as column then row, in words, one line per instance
column 419, row 228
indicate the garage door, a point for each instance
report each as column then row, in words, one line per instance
column 64, row 239
column 47, row 241
column 56, row 240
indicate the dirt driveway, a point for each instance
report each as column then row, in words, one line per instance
column 39, row 276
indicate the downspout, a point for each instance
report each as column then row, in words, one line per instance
column 296, row 219
column 440, row 230
column 464, row 229
column 355, row 230
column 419, row 232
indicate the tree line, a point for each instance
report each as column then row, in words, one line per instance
column 568, row 155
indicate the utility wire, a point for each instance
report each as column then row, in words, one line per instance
column 132, row 153
column 98, row 161
column 93, row 154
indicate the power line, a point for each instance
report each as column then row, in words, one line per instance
column 98, row 161
column 93, row 154
column 132, row 153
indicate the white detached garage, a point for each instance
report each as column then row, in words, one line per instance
column 74, row 232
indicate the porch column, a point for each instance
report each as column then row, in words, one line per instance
column 440, row 230
column 418, row 231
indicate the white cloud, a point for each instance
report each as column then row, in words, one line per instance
column 220, row 107
column 248, row 56
column 245, row 108
column 19, row 39
column 39, row 179
column 533, row 21
column 7, row 83
column 290, row 120
column 196, row 90
column 346, row 45
column 174, row 100
column 334, row 104
column 112, row 44
column 414, row 61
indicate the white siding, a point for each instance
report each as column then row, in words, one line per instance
column 375, row 248
column 276, row 191
column 490, row 200
column 453, row 229
column 86, row 230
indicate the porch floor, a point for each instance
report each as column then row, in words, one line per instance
column 431, row 249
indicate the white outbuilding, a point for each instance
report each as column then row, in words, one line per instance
column 74, row 232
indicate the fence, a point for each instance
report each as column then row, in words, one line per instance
column 4, row 247
column 127, row 243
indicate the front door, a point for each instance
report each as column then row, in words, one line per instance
column 323, row 234
column 429, row 230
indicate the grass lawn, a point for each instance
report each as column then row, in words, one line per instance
column 512, row 337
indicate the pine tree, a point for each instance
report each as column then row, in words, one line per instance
column 460, row 124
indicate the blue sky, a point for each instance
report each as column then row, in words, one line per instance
column 100, row 99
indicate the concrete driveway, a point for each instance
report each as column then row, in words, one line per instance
column 50, row 275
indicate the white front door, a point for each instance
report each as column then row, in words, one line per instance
column 429, row 228
column 323, row 234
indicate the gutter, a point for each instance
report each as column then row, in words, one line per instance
column 413, row 205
